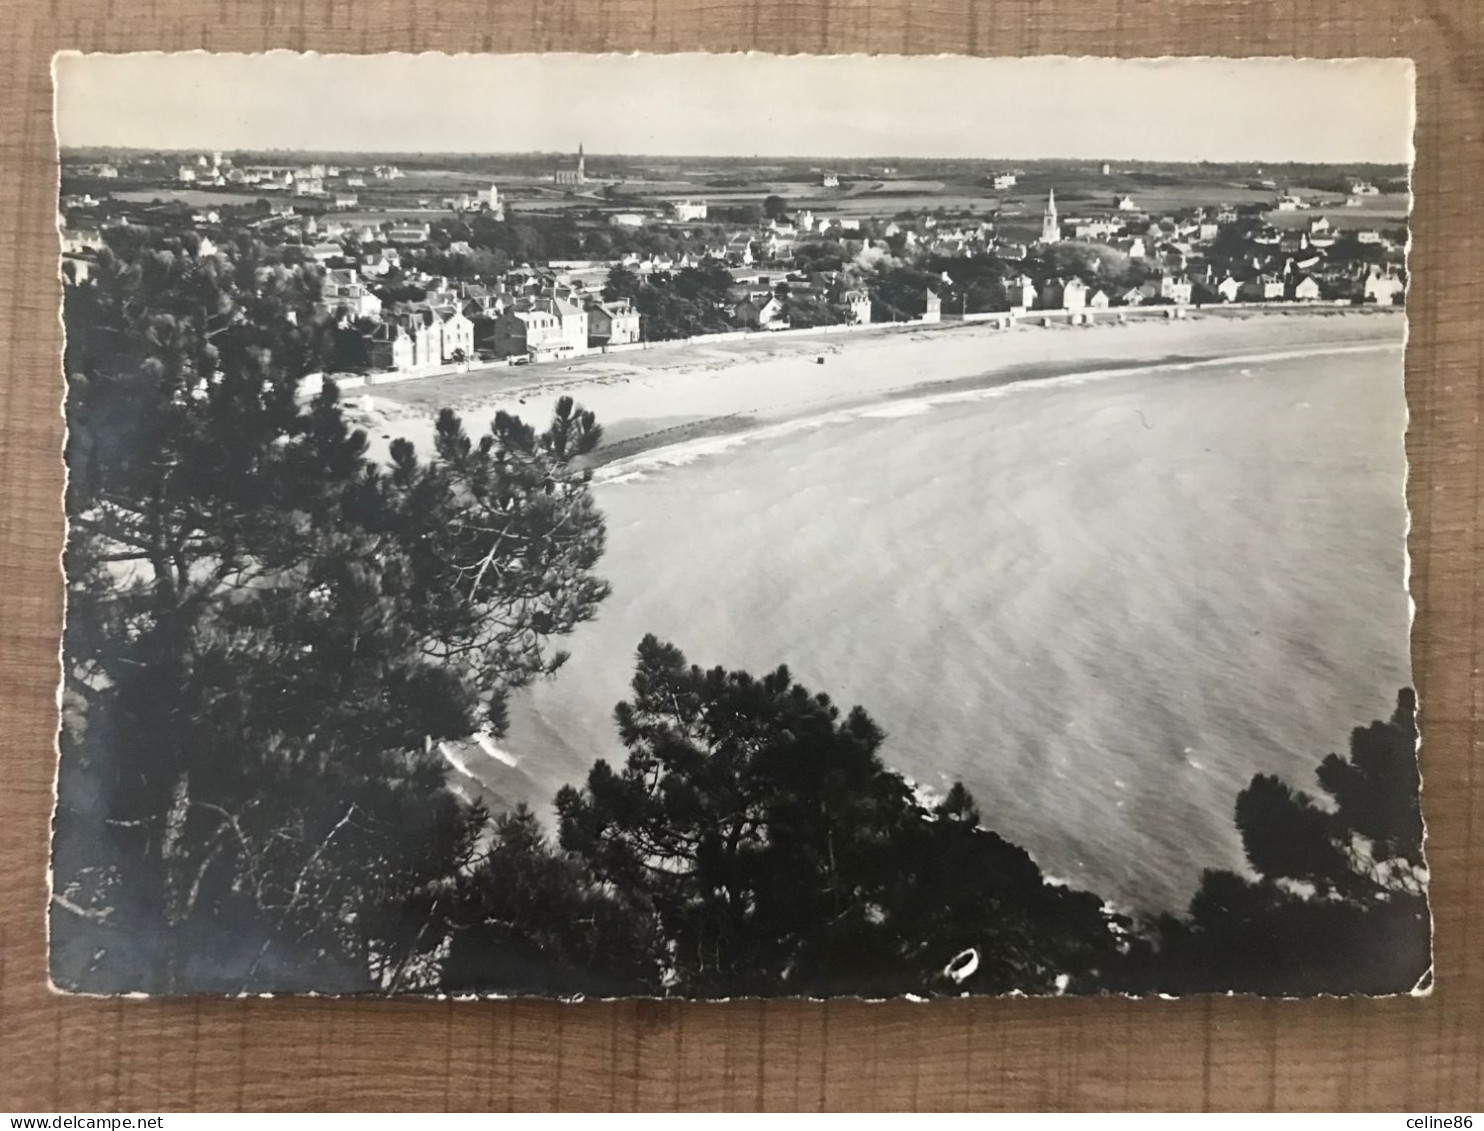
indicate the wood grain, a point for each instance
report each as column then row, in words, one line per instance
column 73, row 1054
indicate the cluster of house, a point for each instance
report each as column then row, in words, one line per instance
column 1072, row 293
column 1266, row 264
column 1354, row 198
column 775, row 240
column 543, row 318
column 758, row 301
column 538, row 315
column 549, row 313
column 220, row 170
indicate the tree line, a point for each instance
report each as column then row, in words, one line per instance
column 270, row 634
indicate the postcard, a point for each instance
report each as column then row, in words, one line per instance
column 736, row 526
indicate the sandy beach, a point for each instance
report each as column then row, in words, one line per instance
column 674, row 394
column 1101, row 575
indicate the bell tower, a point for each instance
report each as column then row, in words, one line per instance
column 1050, row 225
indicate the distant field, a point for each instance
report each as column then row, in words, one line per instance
column 196, row 198
column 377, row 215
column 1079, row 191
column 896, row 188
column 1388, row 210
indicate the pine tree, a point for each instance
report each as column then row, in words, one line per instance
column 269, row 635
column 529, row 918
column 1338, row 898
column 777, row 855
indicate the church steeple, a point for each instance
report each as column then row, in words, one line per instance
column 1050, row 225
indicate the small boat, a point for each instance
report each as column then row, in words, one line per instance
column 962, row 965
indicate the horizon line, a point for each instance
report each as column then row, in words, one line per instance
column 63, row 150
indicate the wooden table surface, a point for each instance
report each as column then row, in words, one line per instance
column 80, row 1055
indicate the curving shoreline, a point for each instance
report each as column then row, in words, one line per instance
column 620, row 457
column 664, row 397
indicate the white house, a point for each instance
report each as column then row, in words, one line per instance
column 687, row 210
column 573, row 323
column 933, row 311
column 1176, row 288
column 1096, row 227
column 342, row 288
column 456, row 334
column 739, row 251
column 541, row 329
column 427, row 337
column 858, row 304
column 1306, row 289
column 776, row 246
column 1384, row 288
column 77, row 241
column 1228, row 289
column 1073, row 294
column 612, row 323
column 402, row 344
column 770, row 315
column 1021, row 292
column 409, row 233
column 390, row 347
column 1263, row 288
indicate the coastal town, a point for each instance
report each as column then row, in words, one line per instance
column 426, row 269
column 617, row 546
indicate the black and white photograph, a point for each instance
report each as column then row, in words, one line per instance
column 736, row 526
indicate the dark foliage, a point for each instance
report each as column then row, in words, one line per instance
column 530, row 919
column 900, row 293
column 269, row 634
column 1338, row 903
column 777, row 855
column 691, row 301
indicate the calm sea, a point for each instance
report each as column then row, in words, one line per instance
column 1103, row 604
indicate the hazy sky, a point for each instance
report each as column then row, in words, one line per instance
column 843, row 106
